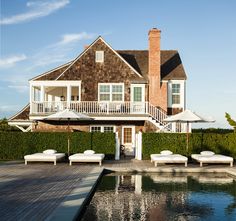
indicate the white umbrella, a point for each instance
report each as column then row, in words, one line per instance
column 67, row 115
column 188, row 116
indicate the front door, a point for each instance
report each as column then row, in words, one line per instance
column 128, row 139
column 138, row 98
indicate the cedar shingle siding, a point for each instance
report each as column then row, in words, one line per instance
column 112, row 70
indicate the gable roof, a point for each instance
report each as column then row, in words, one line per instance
column 99, row 38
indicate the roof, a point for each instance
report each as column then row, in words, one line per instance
column 22, row 115
column 171, row 65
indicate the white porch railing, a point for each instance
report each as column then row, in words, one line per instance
column 101, row 108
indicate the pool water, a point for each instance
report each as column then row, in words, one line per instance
column 163, row 197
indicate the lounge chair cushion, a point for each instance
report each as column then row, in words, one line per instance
column 80, row 157
column 49, row 151
column 173, row 158
column 166, row 152
column 216, row 158
column 44, row 157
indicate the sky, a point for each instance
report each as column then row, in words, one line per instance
column 36, row 36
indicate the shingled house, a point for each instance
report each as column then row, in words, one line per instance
column 124, row 91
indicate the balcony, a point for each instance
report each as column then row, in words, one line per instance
column 89, row 107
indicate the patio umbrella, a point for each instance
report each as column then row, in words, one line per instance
column 188, row 116
column 67, row 115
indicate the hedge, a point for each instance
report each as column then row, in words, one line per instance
column 219, row 143
column 14, row 145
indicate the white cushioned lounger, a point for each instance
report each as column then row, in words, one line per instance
column 216, row 158
column 86, row 158
column 173, row 158
column 43, row 157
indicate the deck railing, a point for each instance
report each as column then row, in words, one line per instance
column 100, row 108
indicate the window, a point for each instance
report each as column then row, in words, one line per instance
column 103, row 129
column 95, row 129
column 175, row 93
column 99, row 56
column 108, row 129
column 127, row 135
column 111, row 92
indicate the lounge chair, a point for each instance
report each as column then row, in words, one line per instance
column 46, row 156
column 211, row 157
column 167, row 156
column 86, row 157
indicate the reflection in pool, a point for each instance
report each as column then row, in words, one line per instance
column 163, row 197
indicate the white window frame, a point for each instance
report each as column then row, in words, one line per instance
column 99, row 56
column 102, row 127
column 176, row 94
column 112, row 84
column 182, row 94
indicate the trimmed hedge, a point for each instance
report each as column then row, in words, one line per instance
column 219, row 143
column 14, row 145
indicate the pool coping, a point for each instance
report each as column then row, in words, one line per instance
column 73, row 204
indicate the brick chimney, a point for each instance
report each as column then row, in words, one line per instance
column 154, row 66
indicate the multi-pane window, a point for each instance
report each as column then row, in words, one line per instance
column 175, row 93
column 103, row 129
column 137, row 94
column 105, row 92
column 99, row 56
column 108, row 129
column 95, row 129
column 127, row 135
column 111, row 92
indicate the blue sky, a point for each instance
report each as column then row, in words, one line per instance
column 39, row 35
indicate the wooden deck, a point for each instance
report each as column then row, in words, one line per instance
column 32, row 192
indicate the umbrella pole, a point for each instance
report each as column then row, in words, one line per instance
column 68, row 137
column 187, row 134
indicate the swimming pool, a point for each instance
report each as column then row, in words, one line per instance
column 163, row 197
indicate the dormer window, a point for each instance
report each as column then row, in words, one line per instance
column 99, row 57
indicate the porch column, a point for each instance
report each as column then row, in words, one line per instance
column 42, row 93
column 68, row 96
column 31, row 98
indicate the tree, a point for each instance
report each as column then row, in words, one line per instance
column 5, row 127
column 231, row 121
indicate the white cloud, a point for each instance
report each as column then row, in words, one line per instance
column 10, row 61
column 19, row 88
column 72, row 38
column 36, row 10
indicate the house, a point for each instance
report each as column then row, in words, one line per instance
column 124, row 91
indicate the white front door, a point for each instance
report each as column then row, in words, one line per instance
column 128, row 139
column 138, row 98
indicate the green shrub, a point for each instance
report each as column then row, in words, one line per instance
column 14, row 145
column 177, row 143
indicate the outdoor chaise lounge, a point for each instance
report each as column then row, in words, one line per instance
column 167, row 156
column 86, row 157
column 46, row 156
column 210, row 157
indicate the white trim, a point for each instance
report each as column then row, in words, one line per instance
column 111, row 84
column 133, row 136
column 56, row 83
column 104, row 118
column 48, row 72
column 132, row 92
column 182, row 93
column 97, row 55
column 99, row 38
column 102, row 127
column 21, row 123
